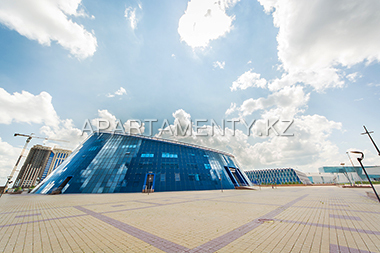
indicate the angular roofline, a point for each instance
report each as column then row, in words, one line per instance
column 167, row 141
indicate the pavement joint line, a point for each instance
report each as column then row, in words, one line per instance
column 162, row 204
column 346, row 217
column 43, row 220
column 165, row 198
column 27, row 215
column 334, row 209
column 338, row 248
column 222, row 241
column 253, row 203
column 147, row 237
column 331, row 226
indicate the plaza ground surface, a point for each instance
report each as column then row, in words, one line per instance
column 286, row 219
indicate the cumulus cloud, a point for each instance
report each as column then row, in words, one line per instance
column 119, row 92
column 308, row 149
column 8, row 158
column 231, row 109
column 134, row 126
column 219, row 64
column 316, row 37
column 287, row 102
column 108, row 122
column 48, row 20
column 65, row 131
column 204, row 21
column 353, row 77
column 27, row 108
column 249, row 79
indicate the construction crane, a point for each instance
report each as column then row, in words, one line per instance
column 29, row 138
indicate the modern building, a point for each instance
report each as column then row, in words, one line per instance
column 112, row 163
column 277, row 176
column 353, row 172
column 41, row 160
column 344, row 174
column 57, row 156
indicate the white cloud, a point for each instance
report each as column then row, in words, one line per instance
column 358, row 99
column 108, row 122
column 287, row 102
column 219, row 64
column 353, row 77
column 130, row 14
column 46, row 21
column 316, row 37
column 319, row 79
column 8, row 158
column 65, row 131
column 25, row 107
column 119, row 92
column 134, row 126
column 249, row 79
column 28, row 108
column 204, row 21
column 231, row 109
column 307, row 150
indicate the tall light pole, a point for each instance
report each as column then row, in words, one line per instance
column 360, row 161
column 345, row 173
column 370, row 137
column 353, row 167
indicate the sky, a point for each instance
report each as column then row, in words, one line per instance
column 309, row 66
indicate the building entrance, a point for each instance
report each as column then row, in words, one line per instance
column 235, row 176
column 149, row 183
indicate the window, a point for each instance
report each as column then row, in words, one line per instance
column 194, row 177
column 205, row 155
column 147, row 155
column 177, row 177
column 129, row 146
column 207, row 166
column 167, row 155
column 163, row 177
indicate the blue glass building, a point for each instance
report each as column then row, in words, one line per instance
column 111, row 163
column 277, row 176
column 373, row 171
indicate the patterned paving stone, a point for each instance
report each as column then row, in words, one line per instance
column 286, row 219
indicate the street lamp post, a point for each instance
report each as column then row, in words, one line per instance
column 370, row 137
column 345, row 173
column 360, row 161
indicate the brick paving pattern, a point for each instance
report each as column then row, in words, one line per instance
column 285, row 219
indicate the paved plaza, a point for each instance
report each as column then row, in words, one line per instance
column 286, row 219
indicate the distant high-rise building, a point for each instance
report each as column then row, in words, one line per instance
column 40, row 161
column 56, row 157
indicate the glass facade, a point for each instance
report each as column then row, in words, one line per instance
column 111, row 163
column 373, row 171
column 277, row 176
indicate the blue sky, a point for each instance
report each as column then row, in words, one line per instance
column 316, row 63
